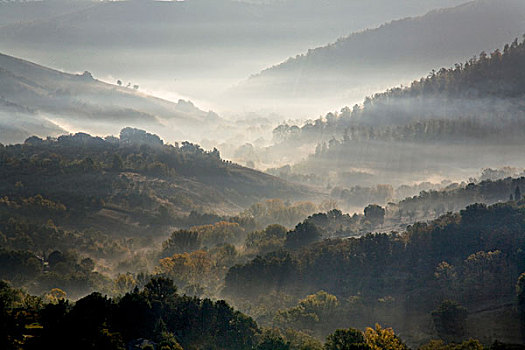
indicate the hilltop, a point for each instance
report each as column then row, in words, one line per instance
column 43, row 101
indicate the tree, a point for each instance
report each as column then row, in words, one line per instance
column 160, row 289
column 375, row 214
column 517, row 194
column 383, row 339
column 303, row 234
column 450, row 321
column 520, row 293
column 119, row 82
column 181, row 241
column 55, row 295
column 117, row 163
column 447, row 278
column 272, row 340
column 314, row 311
column 346, row 339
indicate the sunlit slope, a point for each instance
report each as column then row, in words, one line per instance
column 32, row 92
column 448, row 125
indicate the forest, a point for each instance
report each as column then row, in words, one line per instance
column 324, row 269
column 155, row 196
column 448, row 103
column 442, row 127
column 435, row 283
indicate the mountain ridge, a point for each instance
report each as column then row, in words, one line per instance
column 55, row 96
column 376, row 58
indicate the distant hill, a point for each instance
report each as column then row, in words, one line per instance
column 130, row 183
column 194, row 41
column 450, row 124
column 395, row 52
column 46, row 101
column 479, row 99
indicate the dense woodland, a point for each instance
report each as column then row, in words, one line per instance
column 77, row 210
column 317, row 280
column 291, row 266
column 447, row 279
column 442, row 127
column 132, row 243
column 473, row 258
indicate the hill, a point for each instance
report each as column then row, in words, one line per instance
column 448, row 125
column 134, row 184
column 469, row 261
column 46, row 102
column 194, row 41
column 396, row 52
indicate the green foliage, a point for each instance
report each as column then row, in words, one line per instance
column 180, row 242
column 272, row 340
column 77, row 175
column 346, row 339
column 311, row 313
column 275, row 211
column 157, row 313
column 303, row 234
column 379, row 338
column 301, row 341
column 456, row 197
column 270, row 239
column 376, row 264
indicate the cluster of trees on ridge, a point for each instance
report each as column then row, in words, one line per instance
column 123, row 170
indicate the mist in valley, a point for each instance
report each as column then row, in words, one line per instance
column 284, row 175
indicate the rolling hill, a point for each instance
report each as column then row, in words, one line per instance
column 195, row 41
column 42, row 101
column 134, row 183
column 448, row 125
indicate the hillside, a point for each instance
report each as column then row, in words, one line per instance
column 470, row 260
column 194, row 41
column 445, row 126
column 134, row 184
column 391, row 54
column 46, row 101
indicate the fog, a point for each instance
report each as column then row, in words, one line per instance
column 308, row 162
column 194, row 49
